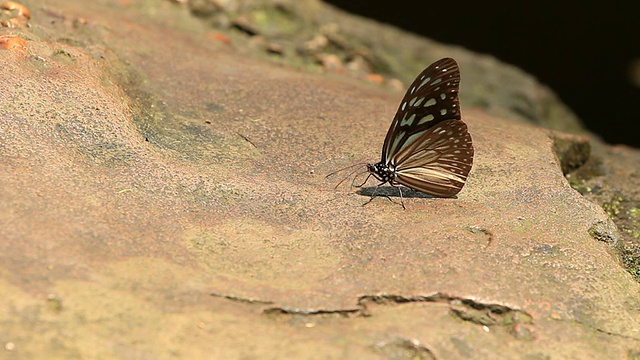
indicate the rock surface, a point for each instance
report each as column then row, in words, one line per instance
column 163, row 196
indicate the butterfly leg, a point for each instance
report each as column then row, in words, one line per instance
column 387, row 196
column 364, row 182
column 374, row 194
column 401, row 198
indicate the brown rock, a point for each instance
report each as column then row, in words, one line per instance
column 131, row 227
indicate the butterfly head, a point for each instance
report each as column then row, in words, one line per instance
column 381, row 171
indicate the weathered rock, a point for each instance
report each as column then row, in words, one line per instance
column 158, row 204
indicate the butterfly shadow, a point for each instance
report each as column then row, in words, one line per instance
column 392, row 191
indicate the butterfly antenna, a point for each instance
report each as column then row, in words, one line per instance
column 343, row 169
column 348, row 175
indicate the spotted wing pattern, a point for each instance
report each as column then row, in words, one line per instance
column 431, row 99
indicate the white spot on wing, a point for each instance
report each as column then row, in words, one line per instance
column 423, row 82
column 408, row 121
column 396, row 141
column 426, row 119
column 430, row 102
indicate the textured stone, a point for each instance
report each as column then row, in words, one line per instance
column 164, row 205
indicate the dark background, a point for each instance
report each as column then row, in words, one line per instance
column 582, row 51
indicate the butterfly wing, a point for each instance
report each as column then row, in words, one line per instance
column 431, row 99
column 438, row 161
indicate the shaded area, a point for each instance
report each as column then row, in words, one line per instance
column 393, row 191
column 582, row 52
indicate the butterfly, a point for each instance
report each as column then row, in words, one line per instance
column 428, row 147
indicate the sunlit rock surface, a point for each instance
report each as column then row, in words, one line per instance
column 164, row 196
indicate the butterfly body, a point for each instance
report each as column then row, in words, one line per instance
column 428, row 148
column 382, row 172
